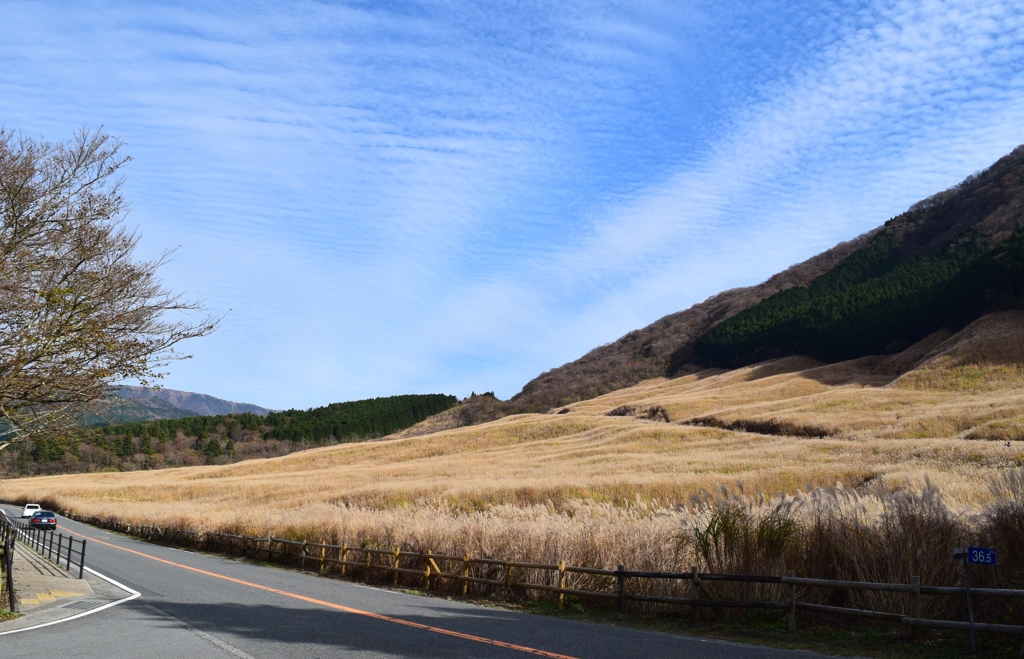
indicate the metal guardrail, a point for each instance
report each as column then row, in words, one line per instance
column 56, row 547
column 8, row 534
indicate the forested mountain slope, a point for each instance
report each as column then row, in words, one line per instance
column 221, row 439
column 941, row 263
column 115, row 409
column 201, row 404
column 646, row 353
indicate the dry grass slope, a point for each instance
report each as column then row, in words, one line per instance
column 596, row 489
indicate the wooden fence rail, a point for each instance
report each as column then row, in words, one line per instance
column 425, row 570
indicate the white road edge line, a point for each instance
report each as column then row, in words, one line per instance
column 230, row 649
column 134, row 594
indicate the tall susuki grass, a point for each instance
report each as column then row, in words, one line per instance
column 887, row 496
column 882, row 535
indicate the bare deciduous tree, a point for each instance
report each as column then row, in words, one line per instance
column 77, row 311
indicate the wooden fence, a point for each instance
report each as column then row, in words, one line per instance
column 507, row 579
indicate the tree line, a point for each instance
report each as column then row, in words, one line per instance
column 877, row 301
column 224, row 438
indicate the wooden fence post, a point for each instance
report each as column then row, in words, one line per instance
column 465, row 574
column 621, row 577
column 426, row 571
column 302, row 561
column 791, row 619
column 915, row 605
column 693, row 590
column 394, row 577
column 561, row 583
column 368, row 557
column 323, row 556
column 508, row 581
column 344, row 557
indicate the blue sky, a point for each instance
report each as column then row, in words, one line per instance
column 398, row 197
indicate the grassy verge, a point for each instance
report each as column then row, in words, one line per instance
column 8, row 615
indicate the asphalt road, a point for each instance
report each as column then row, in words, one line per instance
column 195, row 605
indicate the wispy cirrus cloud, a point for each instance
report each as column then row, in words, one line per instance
column 445, row 196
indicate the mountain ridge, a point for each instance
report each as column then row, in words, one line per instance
column 199, row 404
column 988, row 205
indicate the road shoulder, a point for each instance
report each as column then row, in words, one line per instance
column 48, row 594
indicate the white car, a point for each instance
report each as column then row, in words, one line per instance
column 30, row 509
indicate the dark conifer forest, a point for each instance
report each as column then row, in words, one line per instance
column 223, row 439
column 877, row 301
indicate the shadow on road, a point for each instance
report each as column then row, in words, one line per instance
column 337, row 633
column 341, row 631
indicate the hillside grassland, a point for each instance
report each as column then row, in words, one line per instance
column 942, row 411
column 872, row 470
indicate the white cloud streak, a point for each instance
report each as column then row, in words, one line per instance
column 449, row 196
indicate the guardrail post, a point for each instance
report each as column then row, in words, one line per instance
column 621, row 577
column 915, row 605
column 81, row 562
column 791, row 618
column 561, row 583
column 9, row 560
column 394, row 577
column 465, row 574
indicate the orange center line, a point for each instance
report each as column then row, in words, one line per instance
column 339, row 607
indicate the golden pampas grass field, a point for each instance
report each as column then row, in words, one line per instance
column 618, row 476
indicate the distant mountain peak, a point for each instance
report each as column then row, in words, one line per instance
column 201, row 404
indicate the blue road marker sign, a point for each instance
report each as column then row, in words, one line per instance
column 981, row 555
